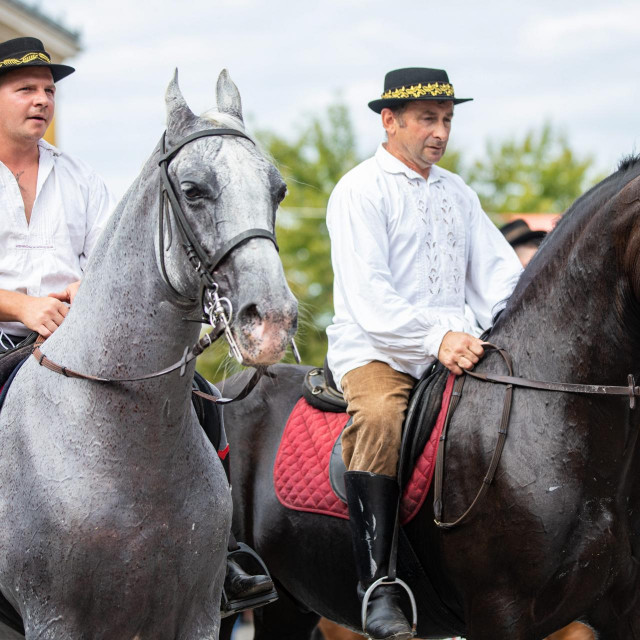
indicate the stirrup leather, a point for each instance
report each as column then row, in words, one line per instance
column 230, row 607
column 386, row 580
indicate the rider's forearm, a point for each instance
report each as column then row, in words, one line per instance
column 12, row 305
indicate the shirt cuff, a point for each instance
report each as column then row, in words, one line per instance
column 434, row 338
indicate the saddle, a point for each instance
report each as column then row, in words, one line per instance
column 320, row 391
column 307, row 477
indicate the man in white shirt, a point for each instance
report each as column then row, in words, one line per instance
column 410, row 248
column 53, row 206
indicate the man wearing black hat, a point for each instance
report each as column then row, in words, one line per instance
column 53, row 206
column 410, row 248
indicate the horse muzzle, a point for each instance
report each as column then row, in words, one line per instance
column 264, row 333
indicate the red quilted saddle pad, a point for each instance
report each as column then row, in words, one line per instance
column 301, row 471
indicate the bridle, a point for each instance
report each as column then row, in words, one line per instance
column 218, row 311
column 203, row 264
column 631, row 391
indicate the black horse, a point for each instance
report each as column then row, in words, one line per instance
column 557, row 536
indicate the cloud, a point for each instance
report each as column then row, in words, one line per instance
column 609, row 28
column 573, row 63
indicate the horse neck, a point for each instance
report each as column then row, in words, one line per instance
column 566, row 320
column 121, row 322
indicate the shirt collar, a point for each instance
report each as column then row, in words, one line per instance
column 46, row 161
column 391, row 164
column 45, row 146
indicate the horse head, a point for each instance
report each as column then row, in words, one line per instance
column 228, row 193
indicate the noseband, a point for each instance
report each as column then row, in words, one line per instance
column 216, row 309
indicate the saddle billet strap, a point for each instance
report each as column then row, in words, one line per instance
column 497, row 453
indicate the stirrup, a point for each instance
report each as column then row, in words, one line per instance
column 230, row 607
column 384, row 581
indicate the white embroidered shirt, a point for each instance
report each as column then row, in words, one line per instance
column 408, row 254
column 71, row 207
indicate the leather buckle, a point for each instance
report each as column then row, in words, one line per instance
column 633, row 391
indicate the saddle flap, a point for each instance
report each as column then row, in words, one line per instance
column 422, row 412
column 337, row 468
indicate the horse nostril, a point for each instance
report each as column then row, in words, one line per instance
column 250, row 314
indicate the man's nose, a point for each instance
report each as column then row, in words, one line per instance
column 41, row 98
column 442, row 131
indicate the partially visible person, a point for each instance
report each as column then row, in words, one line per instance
column 53, row 206
column 524, row 240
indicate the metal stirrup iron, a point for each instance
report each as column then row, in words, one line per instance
column 386, row 580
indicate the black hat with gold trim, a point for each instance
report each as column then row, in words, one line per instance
column 415, row 83
column 29, row 52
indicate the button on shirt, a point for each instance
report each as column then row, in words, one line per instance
column 407, row 255
column 70, row 210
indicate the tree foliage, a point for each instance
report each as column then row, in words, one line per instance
column 539, row 173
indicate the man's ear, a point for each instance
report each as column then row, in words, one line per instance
column 389, row 121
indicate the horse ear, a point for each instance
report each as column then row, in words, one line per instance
column 179, row 116
column 228, row 96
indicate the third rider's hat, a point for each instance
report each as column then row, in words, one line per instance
column 518, row 232
column 29, row 52
column 415, row 83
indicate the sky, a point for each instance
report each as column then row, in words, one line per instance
column 572, row 63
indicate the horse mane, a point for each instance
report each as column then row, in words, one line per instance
column 629, row 161
column 572, row 222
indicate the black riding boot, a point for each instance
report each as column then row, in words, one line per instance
column 242, row 590
column 240, row 585
column 373, row 501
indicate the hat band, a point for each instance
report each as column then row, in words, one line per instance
column 419, row 90
column 28, row 57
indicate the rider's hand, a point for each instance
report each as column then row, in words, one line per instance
column 43, row 315
column 460, row 351
column 68, row 294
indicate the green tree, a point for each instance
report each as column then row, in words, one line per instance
column 537, row 174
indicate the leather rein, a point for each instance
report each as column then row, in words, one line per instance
column 217, row 311
column 631, row 391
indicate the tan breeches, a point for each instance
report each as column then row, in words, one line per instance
column 377, row 398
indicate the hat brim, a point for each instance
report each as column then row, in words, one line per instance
column 379, row 105
column 58, row 71
column 529, row 236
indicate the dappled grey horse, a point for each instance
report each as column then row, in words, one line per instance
column 115, row 509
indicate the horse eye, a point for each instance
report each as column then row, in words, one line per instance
column 191, row 190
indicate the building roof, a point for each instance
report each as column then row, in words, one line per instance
column 18, row 18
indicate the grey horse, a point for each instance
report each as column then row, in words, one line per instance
column 115, row 509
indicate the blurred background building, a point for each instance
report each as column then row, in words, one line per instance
column 18, row 19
